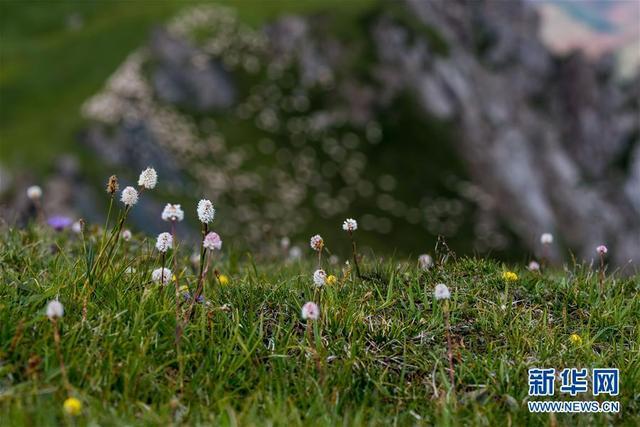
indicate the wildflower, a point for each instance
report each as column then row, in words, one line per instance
column 316, row 243
column 546, row 238
column 441, row 292
column 112, row 185
column 223, row 279
column 172, row 213
column 161, row 275
column 575, row 339
column 350, row 225
column 295, row 253
column 72, row 406
column 425, row 261
column 77, row 227
column 331, row 280
column 148, row 178
column 533, row 266
column 59, row 222
column 212, row 241
column 285, row 242
column 130, row 270
column 310, row 311
column 164, row 242
column 34, row 192
column 126, row 235
column 602, row 250
column 206, row 212
column 319, row 277
column 129, row 196
column 509, row 276
column 55, row 309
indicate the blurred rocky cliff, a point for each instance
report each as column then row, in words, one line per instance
column 423, row 119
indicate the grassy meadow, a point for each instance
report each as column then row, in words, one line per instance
column 377, row 355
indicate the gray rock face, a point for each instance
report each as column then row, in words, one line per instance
column 544, row 155
column 187, row 78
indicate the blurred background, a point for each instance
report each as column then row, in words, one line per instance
column 484, row 122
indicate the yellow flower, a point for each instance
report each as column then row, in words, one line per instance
column 224, row 280
column 184, row 288
column 575, row 339
column 72, row 406
column 509, row 276
column 332, row 280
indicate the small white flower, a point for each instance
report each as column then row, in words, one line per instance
column 126, row 235
column 534, row 266
column 212, row 241
column 158, row 276
column 285, row 242
column 76, row 227
column 295, row 253
column 172, row 213
column 316, row 242
column 602, row 250
column 148, row 178
column 129, row 196
column 130, row 270
column 164, row 242
column 34, row 192
column 310, row 311
column 350, row 225
column 546, row 238
column 206, row 212
column 54, row 309
column 441, row 291
column 319, row 277
column 425, row 261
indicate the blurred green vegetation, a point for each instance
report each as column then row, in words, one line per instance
column 54, row 55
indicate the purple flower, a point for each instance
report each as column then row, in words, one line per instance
column 59, row 222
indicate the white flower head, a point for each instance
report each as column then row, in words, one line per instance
column 602, row 250
column 319, row 277
column 172, row 213
column 76, row 227
column 126, row 235
column 546, row 238
column 295, row 253
column 533, row 266
column 441, row 291
column 130, row 270
column 148, row 178
column 316, row 242
column 55, row 309
column 164, row 242
column 425, row 261
column 129, row 196
column 350, row 225
column 285, row 242
column 310, row 311
column 158, row 276
column 212, row 241
column 34, row 192
column 206, row 212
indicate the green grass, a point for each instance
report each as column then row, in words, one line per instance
column 250, row 364
column 47, row 70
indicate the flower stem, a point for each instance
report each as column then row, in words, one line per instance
column 355, row 255
column 63, row 369
column 447, row 325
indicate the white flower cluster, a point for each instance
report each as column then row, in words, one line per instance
column 148, row 178
column 129, row 196
column 310, row 311
column 34, row 192
column 316, row 243
column 546, row 238
column 319, row 277
column 164, row 242
column 172, row 213
column 161, row 275
column 442, row 292
column 55, row 309
column 350, row 225
column 206, row 211
column 425, row 261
